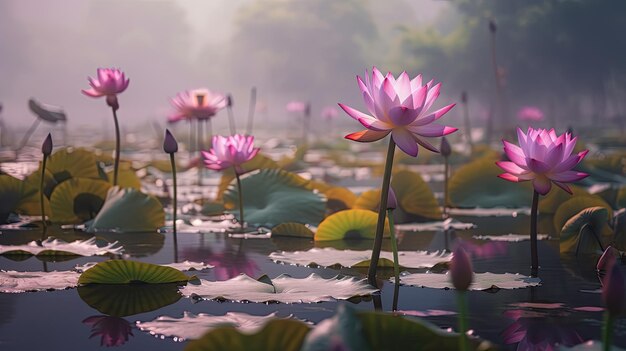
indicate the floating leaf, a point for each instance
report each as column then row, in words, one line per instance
column 551, row 202
column 343, row 331
column 30, row 202
column 77, row 200
column 125, row 300
column 476, row 185
column 193, row 326
column 435, row 226
column 582, row 232
column 414, row 195
column 212, row 208
column 72, row 163
column 339, row 198
column 46, row 112
column 349, row 224
column 368, row 200
column 53, row 246
column 128, row 210
column 576, row 204
column 490, row 212
column 11, row 194
column 328, row 257
column 181, row 266
column 389, row 332
column 18, row 282
column 126, row 177
column 280, row 289
column 620, row 202
column 290, row 229
column 279, row 334
column 513, row 238
column 482, row 281
column 273, row 196
column 127, row 272
column 259, row 161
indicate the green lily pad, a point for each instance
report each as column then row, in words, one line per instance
column 11, row 195
column 414, row 195
column 349, row 224
column 72, row 163
column 126, row 177
column 128, row 210
column 47, row 113
column 259, row 161
column 274, row 196
column 368, row 200
column 125, row 300
column 574, row 205
column 550, row 203
column 290, row 229
column 279, row 334
column 19, row 282
column 339, row 198
column 128, row 272
column 476, row 184
column 343, row 331
column 77, row 200
column 578, row 232
column 620, row 202
column 30, row 202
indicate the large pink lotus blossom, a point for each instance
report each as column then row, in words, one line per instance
column 197, row 104
column 231, row 151
column 113, row 331
column 530, row 113
column 400, row 107
column 109, row 83
column 544, row 158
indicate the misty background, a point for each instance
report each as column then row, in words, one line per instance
column 567, row 57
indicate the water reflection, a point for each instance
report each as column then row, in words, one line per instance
column 228, row 263
column 128, row 299
column 540, row 330
column 113, row 331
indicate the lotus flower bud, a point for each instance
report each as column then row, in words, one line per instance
column 461, row 271
column 170, row 145
column 392, row 202
column 445, row 147
column 46, row 147
column 464, row 97
column 613, row 290
column 606, row 260
column 112, row 102
column 492, row 26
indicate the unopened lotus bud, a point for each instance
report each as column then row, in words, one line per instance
column 613, row 290
column 229, row 100
column 170, row 145
column 464, row 97
column 492, row 26
column 445, row 147
column 461, row 271
column 46, row 147
column 392, row 202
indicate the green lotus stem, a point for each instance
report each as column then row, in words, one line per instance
column 445, row 187
column 534, row 258
column 43, row 209
column 394, row 247
column 396, row 295
column 199, row 147
column 251, row 110
column 174, row 205
column 239, row 191
column 231, row 120
column 462, row 321
column 607, row 332
column 116, row 161
column 468, row 128
column 380, row 225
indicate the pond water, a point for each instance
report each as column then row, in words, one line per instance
column 57, row 320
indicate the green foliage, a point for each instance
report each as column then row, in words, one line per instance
column 125, row 300
column 129, row 272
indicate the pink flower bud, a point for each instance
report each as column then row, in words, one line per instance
column 613, row 290
column 46, row 147
column 170, row 145
column 461, row 271
column 392, row 202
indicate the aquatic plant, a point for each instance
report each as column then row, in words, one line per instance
column 461, row 275
column 46, row 150
column 399, row 107
column 613, row 297
column 109, row 83
column 544, row 158
column 170, row 146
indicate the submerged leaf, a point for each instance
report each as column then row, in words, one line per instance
column 128, row 210
column 327, row 257
column 482, row 281
column 282, row 289
column 127, row 272
column 349, row 224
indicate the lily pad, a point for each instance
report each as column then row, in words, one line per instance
column 128, row 210
column 278, row 334
column 290, row 229
column 53, row 246
column 414, row 195
column 280, row 289
column 273, row 196
column 47, row 113
column 513, row 238
column 30, row 201
column 476, row 185
column 127, row 272
column 11, row 194
column 368, row 200
column 573, row 206
column 449, row 223
column 579, row 232
column 328, row 257
column 339, row 199
column 259, row 161
column 126, row 300
column 181, row 266
column 349, row 224
column 126, row 177
column 482, row 281
column 550, row 203
column 72, row 163
column 193, row 326
column 18, row 282
column 490, row 212
column 343, row 331
column 77, row 200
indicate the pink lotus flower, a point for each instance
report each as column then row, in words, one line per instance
column 400, row 107
column 197, row 103
column 231, row 151
column 109, row 83
column 329, row 113
column 530, row 113
column 544, row 158
column 295, row 106
column 114, row 331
